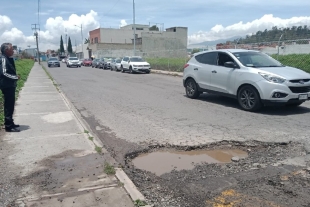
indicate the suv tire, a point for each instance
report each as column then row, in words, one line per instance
column 191, row 89
column 249, row 98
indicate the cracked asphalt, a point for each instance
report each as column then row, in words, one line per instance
column 153, row 109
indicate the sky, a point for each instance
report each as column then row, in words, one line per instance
column 207, row 20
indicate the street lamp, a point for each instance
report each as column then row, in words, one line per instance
column 134, row 28
column 82, row 39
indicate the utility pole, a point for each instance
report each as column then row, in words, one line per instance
column 134, row 29
column 36, row 27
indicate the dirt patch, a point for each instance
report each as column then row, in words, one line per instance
column 254, row 181
column 65, row 172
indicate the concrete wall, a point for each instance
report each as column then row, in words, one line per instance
column 288, row 49
column 117, row 35
column 165, row 44
column 113, row 50
column 79, row 51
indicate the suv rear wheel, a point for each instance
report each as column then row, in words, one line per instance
column 249, row 99
column 191, row 89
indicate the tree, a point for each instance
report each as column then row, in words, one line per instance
column 86, row 41
column 154, row 28
column 195, row 50
column 69, row 46
column 62, row 49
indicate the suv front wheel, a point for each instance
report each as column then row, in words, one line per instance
column 191, row 89
column 249, row 99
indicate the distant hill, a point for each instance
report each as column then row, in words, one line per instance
column 212, row 43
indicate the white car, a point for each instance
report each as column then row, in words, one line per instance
column 135, row 64
column 253, row 78
column 116, row 64
column 73, row 61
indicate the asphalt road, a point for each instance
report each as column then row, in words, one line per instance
column 153, row 109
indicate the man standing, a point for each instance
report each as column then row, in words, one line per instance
column 8, row 83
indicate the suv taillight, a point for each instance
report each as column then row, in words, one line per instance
column 185, row 66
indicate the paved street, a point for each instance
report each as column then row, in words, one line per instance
column 151, row 108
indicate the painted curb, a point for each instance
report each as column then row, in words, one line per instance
column 178, row 74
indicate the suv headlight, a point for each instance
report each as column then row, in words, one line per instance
column 272, row 78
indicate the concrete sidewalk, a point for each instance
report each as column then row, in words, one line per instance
column 58, row 162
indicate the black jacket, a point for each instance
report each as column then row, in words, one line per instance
column 8, row 77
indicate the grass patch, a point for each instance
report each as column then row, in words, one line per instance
column 98, row 149
column 91, row 138
column 85, row 131
column 23, row 68
column 109, row 169
column 138, row 202
column 168, row 64
column 300, row 61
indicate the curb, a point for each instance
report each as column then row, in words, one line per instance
column 129, row 186
column 178, row 74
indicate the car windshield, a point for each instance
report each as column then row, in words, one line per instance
column 53, row 59
column 256, row 60
column 73, row 58
column 136, row 59
column 118, row 61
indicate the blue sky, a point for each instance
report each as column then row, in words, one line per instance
column 205, row 19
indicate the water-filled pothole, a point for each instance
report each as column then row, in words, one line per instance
column 161, row 162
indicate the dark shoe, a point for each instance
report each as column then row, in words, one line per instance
column 12, row 130
column 15, row 125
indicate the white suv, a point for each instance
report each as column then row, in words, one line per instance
column 135, row 64
column 253, row 78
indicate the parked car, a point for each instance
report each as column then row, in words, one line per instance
column 73, row 61
column 53, row 61
column 116, row 64
column 135, row 64
column 95, row 63
column 87, row 62
column 101, row 63
column 253, row 78
column 107, row 63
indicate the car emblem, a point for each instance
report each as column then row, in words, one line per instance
column 301, row 82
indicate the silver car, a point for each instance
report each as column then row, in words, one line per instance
column 253, row 78
column 116, row 64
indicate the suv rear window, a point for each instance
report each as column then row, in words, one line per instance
column 207, row 58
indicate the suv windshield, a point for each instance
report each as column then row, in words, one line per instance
column 256, row 59
column 136, row 59
column 53, row 59
column 73, row 58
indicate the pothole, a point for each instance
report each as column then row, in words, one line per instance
column 161, row 162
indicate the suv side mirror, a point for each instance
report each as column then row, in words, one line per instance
column 230, row 65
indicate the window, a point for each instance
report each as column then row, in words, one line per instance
column 125, row 59
column 96, row 39
column 207, row 58
column 223, row 58
column 92, row 40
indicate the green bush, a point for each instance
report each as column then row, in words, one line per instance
column 23, row 68
column 300, row 61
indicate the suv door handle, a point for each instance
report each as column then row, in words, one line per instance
column 214, row 71
column 195, row 68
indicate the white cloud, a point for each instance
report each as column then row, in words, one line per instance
column 123, row 23
column 54, row 28
column 242, row 29
column 5, row 23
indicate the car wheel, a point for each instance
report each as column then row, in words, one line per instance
column 294, row 104
column 49, row 66
column 249, row 98
column 147, row 72
column 130, row 70
column 191, row 89
column 59, row 66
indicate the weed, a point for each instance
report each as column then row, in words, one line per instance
column 98, row 149
column 138, row 202
column 85, row 131
column 109, row 169
column 121, row 184
column 91, row 138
